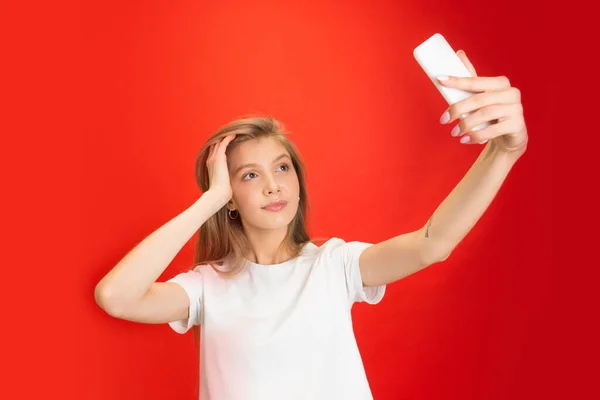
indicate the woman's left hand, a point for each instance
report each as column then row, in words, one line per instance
column 494, row 101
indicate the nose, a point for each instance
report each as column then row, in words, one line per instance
column 272, row 186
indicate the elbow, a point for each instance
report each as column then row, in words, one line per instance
column 434, row 259
column 439, row 256
column 433, row 252
column 444, row 258
column 109, row 302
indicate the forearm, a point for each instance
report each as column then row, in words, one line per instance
column 466, row 203
column 131, row 278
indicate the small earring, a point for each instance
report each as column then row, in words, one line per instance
column 231, row 215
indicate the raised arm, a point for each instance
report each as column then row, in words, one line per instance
column 129, row 290
column 497, row 102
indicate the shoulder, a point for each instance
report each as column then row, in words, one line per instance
column 311, row 248
column 338, row 251
column 200, row 271
column 339, row 245
column 209, row 271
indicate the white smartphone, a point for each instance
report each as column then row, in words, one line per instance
column 436, row 57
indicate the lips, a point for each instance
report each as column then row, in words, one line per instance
column 275, row 206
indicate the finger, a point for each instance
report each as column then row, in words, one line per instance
column 505, row 127
column 478, row 101
column 488, row 114
column 463, row 57
column 475, row 84
column 224, row 143
column 211, row 152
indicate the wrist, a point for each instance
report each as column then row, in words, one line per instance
column 514, row 152
column 510, row 157
column 215, row 200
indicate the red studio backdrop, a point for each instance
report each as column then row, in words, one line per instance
column 157, row 78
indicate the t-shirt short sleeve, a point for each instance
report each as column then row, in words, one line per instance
column 193, row 284
column 348, row 253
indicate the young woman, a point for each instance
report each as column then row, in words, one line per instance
column 273, row 306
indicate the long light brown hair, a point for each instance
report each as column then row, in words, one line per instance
column 222, row 239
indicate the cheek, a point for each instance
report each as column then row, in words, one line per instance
column 244, row 194
column 293, row 184
column 239, row 193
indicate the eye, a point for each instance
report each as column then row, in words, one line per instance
column 285, row 167
column 250, row 175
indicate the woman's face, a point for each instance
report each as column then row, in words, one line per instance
column 264, row 182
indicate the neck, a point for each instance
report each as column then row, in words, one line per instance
column 266, row 246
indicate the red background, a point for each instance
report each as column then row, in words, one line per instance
column 133, row 89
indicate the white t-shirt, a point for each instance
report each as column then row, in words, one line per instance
column 281, row 331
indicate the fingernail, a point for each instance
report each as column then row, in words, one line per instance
column 484, row 142
column 465, row 139
column 445, row 117
column 442, row 78
column 455, row 131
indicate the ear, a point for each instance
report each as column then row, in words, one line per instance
column 231, row 206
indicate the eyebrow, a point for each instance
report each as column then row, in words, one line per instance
column 238, row 169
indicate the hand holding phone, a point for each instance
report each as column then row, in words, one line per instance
column 437, row 58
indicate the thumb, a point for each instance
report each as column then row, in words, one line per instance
column 463, row 57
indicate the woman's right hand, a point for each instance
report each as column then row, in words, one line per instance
column 218, row 173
